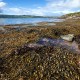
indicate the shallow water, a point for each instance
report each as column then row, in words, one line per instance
column 73, row 46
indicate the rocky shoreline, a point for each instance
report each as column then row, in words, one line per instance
column 20, row 61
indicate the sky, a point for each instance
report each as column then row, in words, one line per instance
column 39, row 7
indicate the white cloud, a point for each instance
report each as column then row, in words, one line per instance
column 15, row 10
column 65, row 2
column 62, row 6
column 52, row 7
column 2, row 4
column 24, row 11
column 73, row 3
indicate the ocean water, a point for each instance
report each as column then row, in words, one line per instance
column 9, row 21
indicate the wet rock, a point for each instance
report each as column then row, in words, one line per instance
column 77, row 39
column 68, row 37
column 58, row 32
column 1, row 61
column 2, row 68
column 32, row 30
column 21, row 50
column 79, row 46
column 27, row 47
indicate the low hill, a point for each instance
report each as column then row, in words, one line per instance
column 75, row 15
column 24, row 16
column 17, row 16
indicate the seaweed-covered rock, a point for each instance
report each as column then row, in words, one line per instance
column 50, row 63
column 58, row 31
column 32, row 30
column 77, row 39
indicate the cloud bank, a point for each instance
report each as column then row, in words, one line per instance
column 52, row 7
column 2, row 5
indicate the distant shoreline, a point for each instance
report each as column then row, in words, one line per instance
column 25, row 16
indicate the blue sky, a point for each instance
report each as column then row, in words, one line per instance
column 39, row 7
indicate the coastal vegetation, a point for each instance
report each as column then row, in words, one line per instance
column 72, row 15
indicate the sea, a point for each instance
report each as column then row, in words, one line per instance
column 12, row 21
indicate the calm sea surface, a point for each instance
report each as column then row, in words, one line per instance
column 7, row 21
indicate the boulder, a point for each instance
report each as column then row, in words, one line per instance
column 68, row 37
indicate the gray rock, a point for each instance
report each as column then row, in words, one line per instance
column 68, row 37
